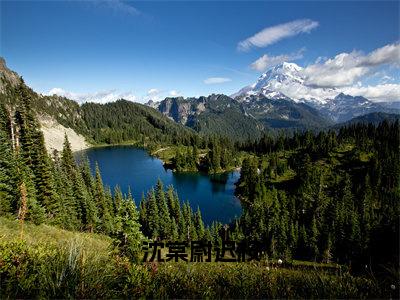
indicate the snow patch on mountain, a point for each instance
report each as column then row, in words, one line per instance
column 287, row 80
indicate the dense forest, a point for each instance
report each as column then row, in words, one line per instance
column 334, row 196
column 123, row 121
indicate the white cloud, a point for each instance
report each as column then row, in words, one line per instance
column 119, row 6
column 380, row 92
column 386, row 79
column 347, row 68
column 153, row 92
column 389, row 54
column 174, row 93
column 350, row 73
column 216, row 80
column 154, row 95
column 271, row 35
column 99, row 97
column 266, row 61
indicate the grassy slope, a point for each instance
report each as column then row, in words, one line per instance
column 51, row 262
column 10, row 230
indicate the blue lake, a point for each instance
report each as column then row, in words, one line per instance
column 133, row 167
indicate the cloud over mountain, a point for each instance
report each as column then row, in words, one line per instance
column 266, row 61
column 351, row 73
column 347, row 68
column 99, row 97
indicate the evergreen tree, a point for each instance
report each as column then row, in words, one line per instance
column 143, row 216
column 199, row 225
column 8, row 177
column 106, row 222
column 163, row 212
column 129, row 232
column 153, row 215
column 34, row 211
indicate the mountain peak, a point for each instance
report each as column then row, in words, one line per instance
column 341, row 95
column 287, row 66
column 284, row 68
column 282, row 74
column 11, row 76
column 287, row 79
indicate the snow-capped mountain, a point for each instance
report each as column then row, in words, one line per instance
column 345, row 107
column 286, row 80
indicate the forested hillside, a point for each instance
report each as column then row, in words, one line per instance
column 124, row 121
column 334, row 196
column 112, row 123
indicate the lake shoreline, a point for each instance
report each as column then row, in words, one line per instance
column 153, row 153
column 134, row 168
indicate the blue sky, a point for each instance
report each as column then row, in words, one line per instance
column 152, row 49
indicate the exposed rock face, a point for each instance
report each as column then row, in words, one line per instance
column 185, row 110
column 51, row 112
column 6, row 74
column 215, row 114
column 177, row 109
column 54, row 134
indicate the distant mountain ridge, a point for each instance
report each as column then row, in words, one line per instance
column 345, row 107
column 256, row 109
column 283, row 113
column 371, row 118
column 241, row 118
column 265, row 102
column 286, row 81
column 215, row 114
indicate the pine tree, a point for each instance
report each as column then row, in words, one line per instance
column 8, row 177
column 87, row 175
column 313, row 240
column 199, row 225
column 163, row 213
column 173, row 203
column 118, row 198
column 174, row 231
column 106, row 222
column 87, row 209
column 143, row 216
column 153, row 215
column 43, row 173
column 34, row 212
column 131, row 236
column 72, row 212
column 67, row 157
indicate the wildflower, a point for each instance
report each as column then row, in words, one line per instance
column 280, row 261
